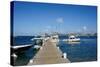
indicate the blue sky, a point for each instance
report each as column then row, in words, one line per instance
column 33, row 18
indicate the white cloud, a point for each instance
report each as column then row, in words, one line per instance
column 84, row 28
column 60, row 20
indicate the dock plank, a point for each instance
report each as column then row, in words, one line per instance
column 49, row 54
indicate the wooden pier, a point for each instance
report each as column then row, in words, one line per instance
column 49, row 53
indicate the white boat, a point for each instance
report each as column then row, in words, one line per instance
column 72, row 38
column 21, row 48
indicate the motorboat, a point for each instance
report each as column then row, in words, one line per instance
column 15, row 50
column 72, row 38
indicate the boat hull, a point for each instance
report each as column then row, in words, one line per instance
column 19, row 50
column 72, row 40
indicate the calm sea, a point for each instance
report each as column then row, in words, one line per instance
column 85, row 50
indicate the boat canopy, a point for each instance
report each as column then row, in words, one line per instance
column 72, row 36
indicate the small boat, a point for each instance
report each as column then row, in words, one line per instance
column 72, row 38
column 19, row 49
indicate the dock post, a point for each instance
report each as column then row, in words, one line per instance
column 14, row 55
column 31, row 61
column 41, row 48
column 64, row 55
column 58, row 47
column 43, row 42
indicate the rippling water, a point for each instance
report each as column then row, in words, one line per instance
column 85, row 50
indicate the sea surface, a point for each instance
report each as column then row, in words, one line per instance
column 85, row 50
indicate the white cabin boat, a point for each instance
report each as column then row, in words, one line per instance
column 72, row 38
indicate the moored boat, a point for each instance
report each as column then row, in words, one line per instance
column 72, row 38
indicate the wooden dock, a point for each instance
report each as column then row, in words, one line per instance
column 49, row 53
